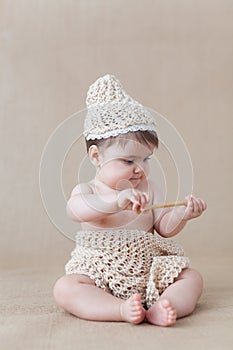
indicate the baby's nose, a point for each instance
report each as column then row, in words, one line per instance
column 137, row 169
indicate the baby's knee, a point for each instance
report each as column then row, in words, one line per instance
column 61, row 290
column 196, row 277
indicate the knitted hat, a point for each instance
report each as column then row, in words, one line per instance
column 110, row 111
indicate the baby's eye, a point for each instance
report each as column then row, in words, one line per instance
column 127, row 161
column 146, row 159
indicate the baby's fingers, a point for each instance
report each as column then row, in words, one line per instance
column 204, row 205
column 139, row 201
column 199, row 204
column 190, row 204
column 135, row 200
column 195, row 206
column 136, row 205
column 144, row 200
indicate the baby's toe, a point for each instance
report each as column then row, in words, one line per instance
column 165, row 303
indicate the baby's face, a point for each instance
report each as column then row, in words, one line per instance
column 124, row 166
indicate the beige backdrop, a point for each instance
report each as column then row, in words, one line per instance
column 174, row 56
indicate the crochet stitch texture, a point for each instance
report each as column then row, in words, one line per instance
column 125, row 262
column 111, row 111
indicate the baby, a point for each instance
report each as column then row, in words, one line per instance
column 123, row 267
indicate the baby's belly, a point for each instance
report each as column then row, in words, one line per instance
column 124, row 219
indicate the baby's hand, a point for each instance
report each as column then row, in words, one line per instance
column 195, row 207
column 132, row 199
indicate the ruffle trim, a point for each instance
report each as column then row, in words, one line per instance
column 117, row 132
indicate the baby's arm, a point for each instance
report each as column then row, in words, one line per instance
column 171, row 221
column 85, row 206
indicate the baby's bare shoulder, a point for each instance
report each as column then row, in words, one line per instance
column 82, row 188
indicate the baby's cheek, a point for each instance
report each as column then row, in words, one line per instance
column 145, row 173
column 112, row 178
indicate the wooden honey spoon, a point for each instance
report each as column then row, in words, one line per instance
column 165, row 205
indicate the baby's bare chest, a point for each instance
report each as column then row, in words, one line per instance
column 124, row 219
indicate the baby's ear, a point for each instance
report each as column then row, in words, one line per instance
column 94, row 155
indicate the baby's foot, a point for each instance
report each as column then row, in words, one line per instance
column 161, row 313
column 132, row 310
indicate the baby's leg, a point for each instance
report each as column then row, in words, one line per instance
column 79, row 295
column 178, row 300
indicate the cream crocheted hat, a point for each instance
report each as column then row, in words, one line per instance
column 110, row 111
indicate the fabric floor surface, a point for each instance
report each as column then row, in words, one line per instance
column 30, row 318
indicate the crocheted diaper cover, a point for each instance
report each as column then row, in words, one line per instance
column 125, row 262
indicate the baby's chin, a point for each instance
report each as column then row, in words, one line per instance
column 125, row 185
